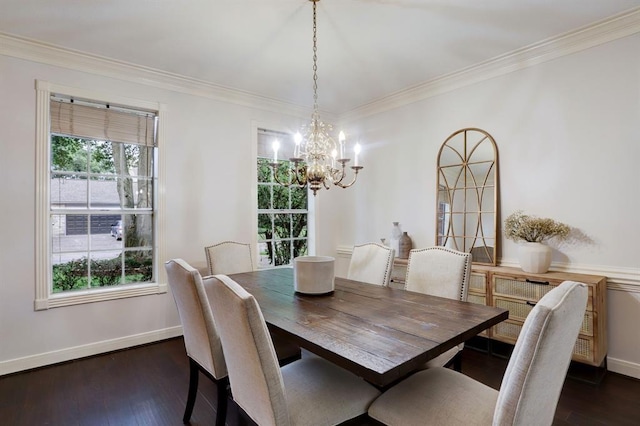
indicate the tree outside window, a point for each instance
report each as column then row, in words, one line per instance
column 282, row 215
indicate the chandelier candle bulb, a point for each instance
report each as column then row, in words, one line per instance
column 276, row 147
column 356, row 150
column 341, row 139
column 297, row 139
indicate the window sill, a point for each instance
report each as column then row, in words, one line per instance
column 89, row 296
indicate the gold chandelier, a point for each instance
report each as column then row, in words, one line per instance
column 317, row 160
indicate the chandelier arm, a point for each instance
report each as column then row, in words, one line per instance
column 275, row 167
column 356, row 169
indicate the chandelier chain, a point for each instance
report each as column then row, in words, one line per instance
column 315, row 62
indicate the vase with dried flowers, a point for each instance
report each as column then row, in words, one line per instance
column 532, row 231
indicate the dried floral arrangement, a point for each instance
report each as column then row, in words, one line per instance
column 519, row 226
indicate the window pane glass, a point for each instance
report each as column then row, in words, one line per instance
column 282, row 252
column 101, row 154
column 299, row 247
column 265, row 254
column 104, row 193
column 299, row 198
column 264, row 170
column 106, row 270
column 299, row 225
column 265, row 227
column 68, row 191
column 69, row 233
column 138, row 266
column 282, row 223
column 70, row 272
column 137, row 230
column 280, row 197
column 69, row 154
column 264, row 197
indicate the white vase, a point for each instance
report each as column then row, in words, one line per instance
column 396, row 233
column 534, row 258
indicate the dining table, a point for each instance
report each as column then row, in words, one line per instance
column 379, row 333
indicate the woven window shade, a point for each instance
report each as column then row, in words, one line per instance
column 101, row 123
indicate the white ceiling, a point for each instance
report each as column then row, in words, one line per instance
column 367, row 49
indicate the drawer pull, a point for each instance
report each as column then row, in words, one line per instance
column 537, row 282
column 530, row 303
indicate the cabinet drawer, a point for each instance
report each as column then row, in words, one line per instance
column 478, row 282
column 480, row 299
column 509, row 330
column 529, row 290
column 519, row 309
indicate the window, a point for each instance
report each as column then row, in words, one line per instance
column 283, row 214
column 98, row 207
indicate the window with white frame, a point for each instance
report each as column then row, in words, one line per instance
column 99, row 205
column 283, row 212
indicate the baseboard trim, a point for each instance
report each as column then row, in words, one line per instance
column 68, row 354
column 626, row 368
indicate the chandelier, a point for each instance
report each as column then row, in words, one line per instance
column 317, row 160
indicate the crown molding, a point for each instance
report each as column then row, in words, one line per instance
column 36, row 51
column 613, row 28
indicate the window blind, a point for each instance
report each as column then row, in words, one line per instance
column 101, row 122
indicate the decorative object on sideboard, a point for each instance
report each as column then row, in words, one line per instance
column 394, row 241
column 531, row 232
column 405, row 246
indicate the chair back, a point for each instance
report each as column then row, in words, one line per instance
column 538, row 365
column 254, row 374
column 439, row 271
column 371, row 263
column 229, row 257
column 201, row 338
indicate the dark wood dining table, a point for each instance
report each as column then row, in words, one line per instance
column 379, row 333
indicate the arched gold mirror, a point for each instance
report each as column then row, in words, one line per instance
column 467, row 207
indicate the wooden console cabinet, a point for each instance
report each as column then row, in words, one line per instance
column 518, row 291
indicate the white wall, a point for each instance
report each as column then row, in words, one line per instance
column 208, row 151
column 569, row 149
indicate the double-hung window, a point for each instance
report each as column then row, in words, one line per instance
column 283, row 212
column 98, row 204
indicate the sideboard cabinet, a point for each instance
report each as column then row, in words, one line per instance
column 518, row 291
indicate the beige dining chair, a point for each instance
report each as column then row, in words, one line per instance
column 229, row 257
column 443, row 272
column 201, row 338
column 310, row 391
column 530, row 387
column 371, row 263
column 232, row 257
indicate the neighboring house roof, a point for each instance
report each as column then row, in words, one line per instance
column 74, row 191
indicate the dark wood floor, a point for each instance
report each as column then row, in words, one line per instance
column 147, row 385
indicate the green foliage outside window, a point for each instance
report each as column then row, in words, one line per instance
column 282, row 217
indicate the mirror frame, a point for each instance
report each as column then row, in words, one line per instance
column 480, row 188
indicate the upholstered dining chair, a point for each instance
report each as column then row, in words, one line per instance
column 443, row 272
column 530, row 387
column 371, row 263
column 232, row 257
column 310, row 391
column 229, row 257
column 201, row 338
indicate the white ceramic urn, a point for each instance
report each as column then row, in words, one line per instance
column 314, row 274
column 534, row 258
